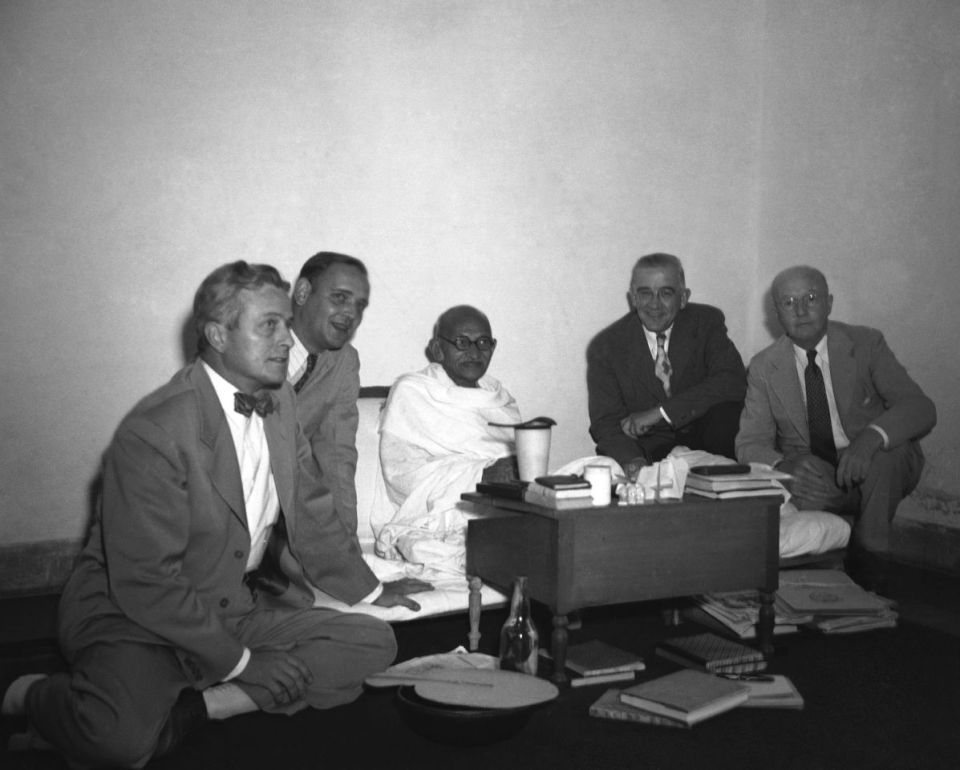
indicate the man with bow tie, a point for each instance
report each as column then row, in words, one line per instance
column 190, row 600
column 665, row 374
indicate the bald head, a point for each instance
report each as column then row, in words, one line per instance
column 803, row 304
column 463, row 344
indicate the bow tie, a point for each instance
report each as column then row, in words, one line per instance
column 246, row 404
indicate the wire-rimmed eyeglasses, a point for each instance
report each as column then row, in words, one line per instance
column 463, row 343
column 807, row 301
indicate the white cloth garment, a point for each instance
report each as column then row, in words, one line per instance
column 435, row 441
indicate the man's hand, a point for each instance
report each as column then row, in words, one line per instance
column 640, row 423
column 504, row 469
column 284, row 676
column 813, row 482
column 632, row 469
column 855, row 460
column 395, row 592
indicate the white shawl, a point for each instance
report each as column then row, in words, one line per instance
column 435, row 442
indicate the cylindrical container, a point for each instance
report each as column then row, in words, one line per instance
column 533, row 450
column 600, row 483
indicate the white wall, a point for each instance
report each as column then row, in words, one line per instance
column 514, row 154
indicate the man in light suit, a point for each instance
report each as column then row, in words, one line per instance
column 329, row 298
column 866, row 456
column 665, row 374
column 190, row 600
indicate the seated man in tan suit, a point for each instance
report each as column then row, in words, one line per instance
column 191, row 598
column 829, row 403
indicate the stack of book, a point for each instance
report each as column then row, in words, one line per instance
column 556, row 492
column 837, row 604
column 597, row 662
column 737, row 613
column 824, row 600
column 681, row 699
column 774, row 691
column 757, row 482
column 712, row 654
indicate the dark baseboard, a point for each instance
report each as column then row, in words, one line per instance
column 36, row 568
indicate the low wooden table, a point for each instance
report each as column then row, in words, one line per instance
column 591, row 557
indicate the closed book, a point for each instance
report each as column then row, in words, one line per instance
column 735, row 493
column 591, row 679
column 609, row 706
column 544, row 498
column 691, row 696
column 779, row 693
column 831, row 600
column 559, row 494
column 756, row 478
column 563, row 482
column 711, row 653
column 507, row 490
column 596, row 657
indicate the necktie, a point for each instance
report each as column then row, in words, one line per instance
column 818, row 412
column 662, row 367
column 311, row 362
column 246, row 404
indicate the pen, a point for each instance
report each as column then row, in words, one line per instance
column 748, row 677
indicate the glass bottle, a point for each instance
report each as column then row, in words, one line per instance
column 519, row 639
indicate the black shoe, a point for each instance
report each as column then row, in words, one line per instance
column 187, row 714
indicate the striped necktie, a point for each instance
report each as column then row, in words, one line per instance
column 662, row 367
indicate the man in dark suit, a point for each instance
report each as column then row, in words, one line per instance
column 665, row 374
column 329, row 298
column 829, row 403
column 190, row 599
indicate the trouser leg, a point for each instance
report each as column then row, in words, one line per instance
column 341, row 650
column 716, row 431
column 110, row 709
column 892, row 476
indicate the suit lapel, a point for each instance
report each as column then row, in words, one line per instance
column 682, row 345
column 215, row 434
column 843, row 370
column 641, row 364
column 785, row 384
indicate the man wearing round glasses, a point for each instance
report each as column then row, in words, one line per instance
column 665, row 374
column 436, row 443
column 829, row 403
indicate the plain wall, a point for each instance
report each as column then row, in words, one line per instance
column 516, row 155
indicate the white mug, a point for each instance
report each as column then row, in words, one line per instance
column 600, row 483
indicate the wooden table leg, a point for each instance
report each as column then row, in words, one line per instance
column 474, row 613
column 558, row 649
column 765, row 623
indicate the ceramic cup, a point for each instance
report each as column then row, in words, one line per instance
column 600, row 483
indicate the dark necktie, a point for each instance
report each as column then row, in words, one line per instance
column 246, row 404
column 818, row 412
column 311, row 362
column 662, row 366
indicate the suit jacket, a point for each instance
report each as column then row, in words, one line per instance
column 707, row 370
column 328, row 412
column 167, row 552
column 869, row 385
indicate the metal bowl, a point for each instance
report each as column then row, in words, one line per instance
column 459, row 725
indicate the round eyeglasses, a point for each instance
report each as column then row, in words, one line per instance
column 463, row 343
column 807, row 301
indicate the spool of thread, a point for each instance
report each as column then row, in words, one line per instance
column 600, row 482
